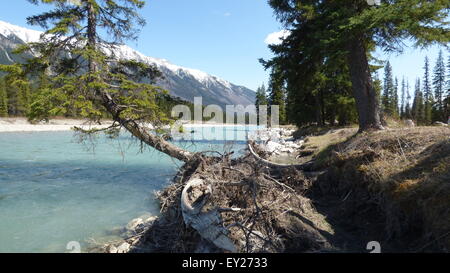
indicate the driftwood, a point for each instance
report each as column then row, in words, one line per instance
column 208, row 224
column 305, row 167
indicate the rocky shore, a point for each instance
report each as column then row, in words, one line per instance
column 277, row 141
column 129, row 236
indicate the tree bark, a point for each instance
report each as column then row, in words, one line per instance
column 142, row 134
column 107, row 101
column 363, row 90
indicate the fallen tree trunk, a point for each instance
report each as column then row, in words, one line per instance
column 141, row 133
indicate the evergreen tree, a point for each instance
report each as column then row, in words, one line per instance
column 350, row 31
column 439, row 86
column 427, row 93
column 17, row 90
column 418, row 104
column 11, row 94
column 261, row 96
column 395, row 99
column 88, row 76
column 316, row 96
column 408, row 102
column 47, row 102
column 261, row 99
column 403, row 99
column 388, row 99
column 3, row 99
column 448, row 77
column 23, row 98
column 277, row 94
column 447, row 95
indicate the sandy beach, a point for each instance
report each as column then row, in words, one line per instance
column 22, row 125
column 55, row 125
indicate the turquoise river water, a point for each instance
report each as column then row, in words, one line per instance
column 54, row 190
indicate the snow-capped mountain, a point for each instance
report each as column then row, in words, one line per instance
column 182, row 82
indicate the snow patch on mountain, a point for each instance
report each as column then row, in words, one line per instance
column 24, row 34
column 127, row 53
column 123, row 52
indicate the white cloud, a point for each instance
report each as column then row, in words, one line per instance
column 227, row 14
column 276, row 38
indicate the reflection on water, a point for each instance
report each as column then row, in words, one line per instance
column 54, row 190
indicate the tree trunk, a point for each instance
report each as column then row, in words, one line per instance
column 106, row 100
column 319, row 116
column 366, row 98
column 142, row 134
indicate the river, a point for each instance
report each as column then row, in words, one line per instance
column 54, row 190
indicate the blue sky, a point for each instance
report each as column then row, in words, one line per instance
column 221, row 37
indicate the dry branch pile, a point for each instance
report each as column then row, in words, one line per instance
column 236, row 205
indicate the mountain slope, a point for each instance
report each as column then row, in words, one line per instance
column 185, row 83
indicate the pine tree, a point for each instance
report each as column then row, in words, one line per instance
column 16, row 90
column 427, row 94
column 23, row 98
column 350, row 31
column 395, row 99
column 277, row 96
column 418, row 104
column 261, row 99
column 408, row 102
column 388, row 98
column 447, row 95
column 403, row 99
column 261, row 96
column 439, row 86
column 3, row 99
column 89, row 76
column 448, row 77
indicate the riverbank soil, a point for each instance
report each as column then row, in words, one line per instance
column 391, row 187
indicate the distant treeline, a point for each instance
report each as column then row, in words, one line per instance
column 15, row 98
column 22, row 99
column 329, row 100
column 430, row 100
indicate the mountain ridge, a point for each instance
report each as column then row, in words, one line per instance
column 181, row 82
